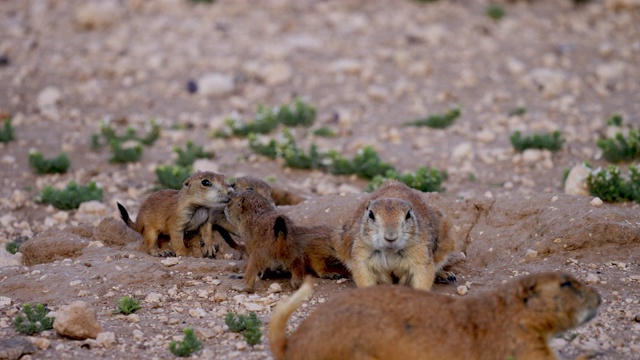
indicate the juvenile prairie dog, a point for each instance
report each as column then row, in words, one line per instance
column 272, row 241
column 172, row 212
column 392, row 238
column 394, row 322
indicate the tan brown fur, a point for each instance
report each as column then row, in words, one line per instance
column 273, row 241
column 174, row 213
column 392, row 237
column 393, row 322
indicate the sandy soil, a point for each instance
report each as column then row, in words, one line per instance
column 368, row 67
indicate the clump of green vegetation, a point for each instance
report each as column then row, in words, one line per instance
column 172, row 176
column 609, row 185
column 365, row 164
column 34, row 320
column 438, row 121
column 495, row 12
column 12, row 247
column 424, row 179
column 550, row 141
column 267, row 119
column 324, row 132
column 519, row 111
column 121, row 153
column 57, row 165
column 615, row 120
column 6, row 132
column 190, row 153
column 269, row 149
column 109, row 134
column 621, row 148
column 71, row 196
column 249, row 326
column 127, row 305
column 189, row 344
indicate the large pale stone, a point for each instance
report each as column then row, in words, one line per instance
column 77, row 320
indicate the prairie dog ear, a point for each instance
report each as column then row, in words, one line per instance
column 527, row 289
column 280, row 227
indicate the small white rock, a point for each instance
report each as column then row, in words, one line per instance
column 275, row 288
column 530, row 254
column 106, row 339
column 462, row 290
column 215, row 84
column 592, row 279
column 153, row 298
column 596, row 201
column 170, row 261
column 138, row 335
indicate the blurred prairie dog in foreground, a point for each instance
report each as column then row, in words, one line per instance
column 514, row 321
column 394, row 237
column 172, row 212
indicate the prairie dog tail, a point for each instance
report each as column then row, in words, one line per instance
column 277, row 326
column 125, row 215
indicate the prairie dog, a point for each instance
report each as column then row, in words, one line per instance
column 173, row 212
column 514, row 321
column 272, row 241
column 391, row 238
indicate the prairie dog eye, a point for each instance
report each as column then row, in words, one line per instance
column 206, row 182
column 566, row 284
column 371, row 216
column 408, row 215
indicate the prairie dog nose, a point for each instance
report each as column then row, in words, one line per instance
column 391, row 235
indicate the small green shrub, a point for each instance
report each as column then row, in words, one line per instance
column 121, row 154
column 519, row 111
column 6, row 132
column 609, row 185
column 424, row 179
column 438, row 121
column 365, row 164
column 550, row 141
column 299, row 114
column 267, row 119
column 190, row 153
column 296, row 158
column 33, row 320
column 621, row 148
column 57, row 165
column 614, row 120
column 495, row 12
column 172, row 176
column 324, row 132
column 71, row 196
column 189, row 344
column 269, row 149
column 110, row 136
column 127, row 305
column 249, row 326
column 12, row 247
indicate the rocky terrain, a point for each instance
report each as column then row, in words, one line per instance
column 368, row 67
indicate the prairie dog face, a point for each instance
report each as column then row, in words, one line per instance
column 206, row 189
column 559, row 301
column 252, row 183
column 389, row 224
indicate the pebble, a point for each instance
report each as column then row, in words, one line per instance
column 172, row 261
column 77, row 320
column 92, row 208
column 40, row 342
column 48, row 98
column 462, row 290
column 592, row 279
column 275, row 288
column 576, row 183
column 98, row 14
column 153, row 298
column 216, row 84
column 596, row 201
column 106, row 339
column 277, row 74
column 530, row 254
column 5, row 301
column 138, row 335
column 461, row 152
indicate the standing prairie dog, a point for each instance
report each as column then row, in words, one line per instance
column 272, row 241
column 173, row 212
column 395, row 322
column 393, row 237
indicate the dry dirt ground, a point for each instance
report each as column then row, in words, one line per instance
column 368, row 67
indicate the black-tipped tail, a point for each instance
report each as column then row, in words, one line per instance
column 125, row 215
